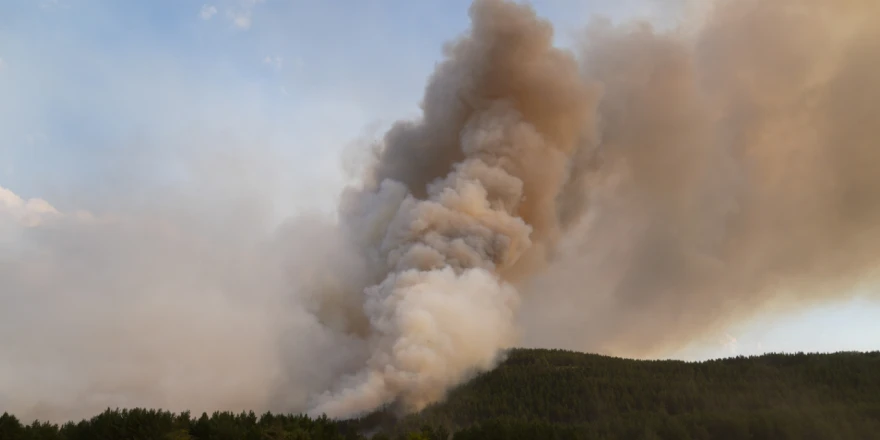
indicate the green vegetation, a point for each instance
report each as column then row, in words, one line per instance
column 552, row 394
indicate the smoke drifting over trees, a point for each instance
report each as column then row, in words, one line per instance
column 624, row 197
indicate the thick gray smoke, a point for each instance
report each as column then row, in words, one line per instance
column 624, row 197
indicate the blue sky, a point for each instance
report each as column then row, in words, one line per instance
column 309, row 76
column 100, row 99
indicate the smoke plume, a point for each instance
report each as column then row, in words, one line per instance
column 626, row 196
column 460, row 204
column 657, row 186
column 732, row 174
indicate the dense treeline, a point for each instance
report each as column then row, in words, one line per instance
column 136, row 424
column 610, row 396
column 553, row 394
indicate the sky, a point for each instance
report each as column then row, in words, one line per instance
column 104, row 104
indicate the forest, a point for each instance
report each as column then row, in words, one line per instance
column 556, row 394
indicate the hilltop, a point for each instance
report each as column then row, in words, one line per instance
column 774, row 396
column 545, row 394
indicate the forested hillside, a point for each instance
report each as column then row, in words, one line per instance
column 549, row 394
column 777, row 396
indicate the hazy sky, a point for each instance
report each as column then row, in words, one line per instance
column 100, row 99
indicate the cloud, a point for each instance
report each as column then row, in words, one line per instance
column 27, row 213
column 242, row 16
column 207, row 12
column 16, row 213
column 240, row 19
column 276, row 62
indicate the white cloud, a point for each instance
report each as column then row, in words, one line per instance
column 36, row 212
column 28, row 213
column 207, row 12
column 277, row 62
column 242, row 17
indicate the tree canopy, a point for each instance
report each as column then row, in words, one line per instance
column 555, row 394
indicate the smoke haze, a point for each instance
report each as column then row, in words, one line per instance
column 626, row 197
column 730, row 176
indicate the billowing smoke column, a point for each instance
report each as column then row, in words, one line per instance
column 459, row 201
column 626, row 197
